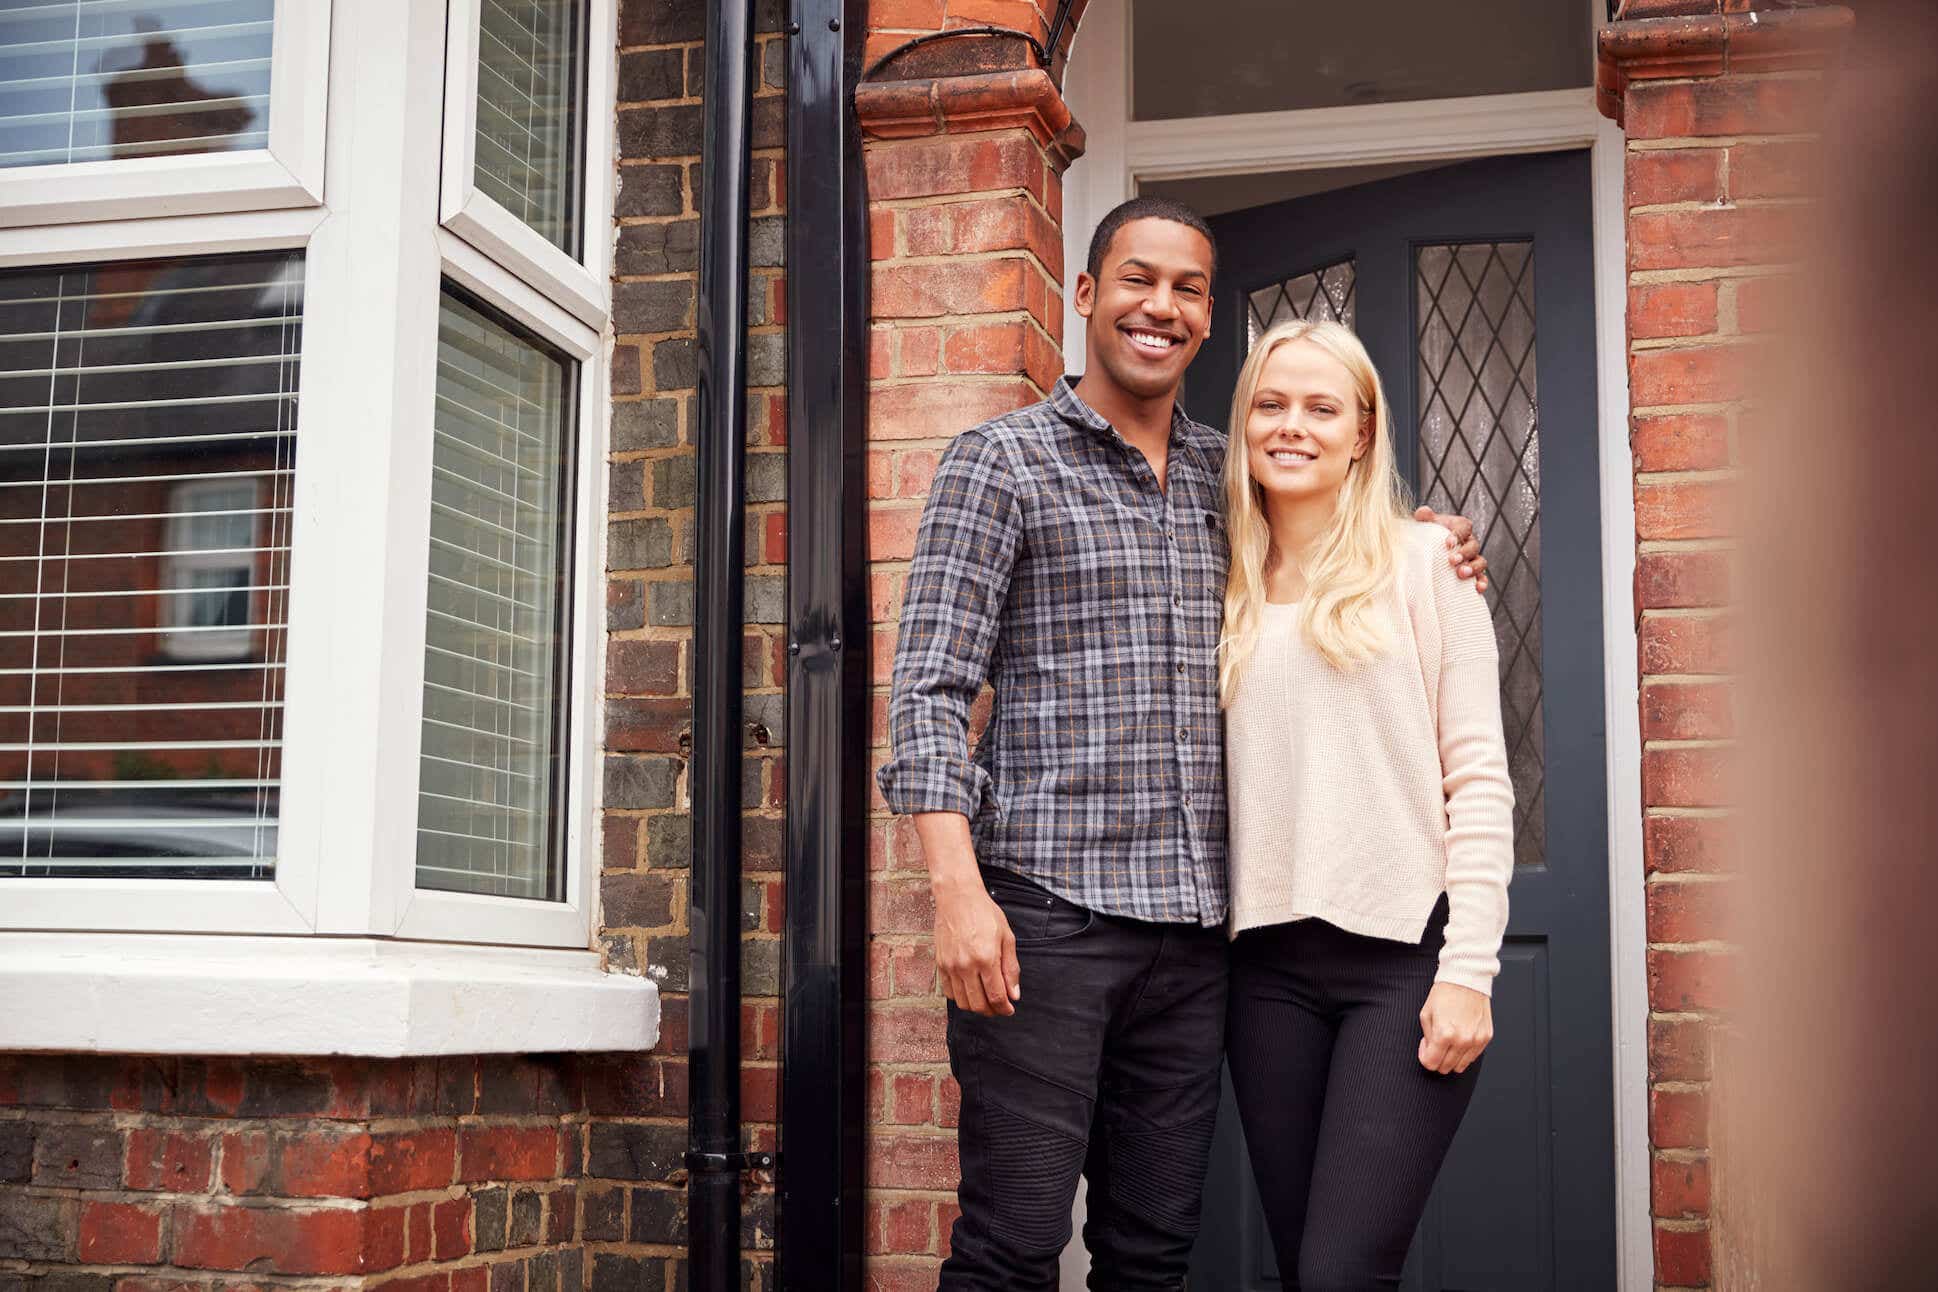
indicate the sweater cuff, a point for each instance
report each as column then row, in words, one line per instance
column 1482, row 983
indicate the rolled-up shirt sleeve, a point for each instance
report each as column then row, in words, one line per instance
column 951, row 609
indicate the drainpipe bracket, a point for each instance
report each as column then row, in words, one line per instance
column 717, row 1163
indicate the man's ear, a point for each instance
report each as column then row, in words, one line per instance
column 1085, row 297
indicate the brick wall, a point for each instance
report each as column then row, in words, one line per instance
column 965, row 236
column 637, row 1237
column 1720, row 115
column 139, row 1174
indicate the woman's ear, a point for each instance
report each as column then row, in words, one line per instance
column 1365, row 440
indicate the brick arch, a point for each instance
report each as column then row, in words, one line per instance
column 891, row 23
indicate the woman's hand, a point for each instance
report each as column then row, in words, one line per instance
column 1457, row 1023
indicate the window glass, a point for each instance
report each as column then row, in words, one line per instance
column 90, row 80
column 489, row 781
column 147, row 442
column 531, row 109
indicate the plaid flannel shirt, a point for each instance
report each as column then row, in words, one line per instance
column 1051, row 565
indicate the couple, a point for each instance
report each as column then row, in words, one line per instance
column 1243, row 794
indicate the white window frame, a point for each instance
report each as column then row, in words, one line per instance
column 181, row 557
column 288, row 173
column 376, row 258
column 581, row 285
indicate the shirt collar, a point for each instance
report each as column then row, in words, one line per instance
column 1070, row 406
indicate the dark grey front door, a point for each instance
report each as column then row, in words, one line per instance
column 1472, row 286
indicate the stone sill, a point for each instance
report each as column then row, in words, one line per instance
column 112, row 993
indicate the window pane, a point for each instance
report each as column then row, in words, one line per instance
column 1197, row 60
column 531, row 106
column 87, row 80
column 147, row 436
column 489, row 781
column 1480, row 457
column 1325, row 295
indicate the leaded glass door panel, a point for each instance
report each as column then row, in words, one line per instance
column 1472, row 287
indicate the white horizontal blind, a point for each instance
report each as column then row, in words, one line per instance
column 531, row 107
column 493, row 669
column 88, row 80
column 147, row 442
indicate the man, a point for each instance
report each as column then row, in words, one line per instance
column 1073, row 553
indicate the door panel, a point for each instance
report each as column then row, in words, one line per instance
column 1472, row 287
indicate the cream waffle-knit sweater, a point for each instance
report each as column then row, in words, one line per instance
column 1359, row 796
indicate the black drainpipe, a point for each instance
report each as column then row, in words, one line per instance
column 825, row 958
column 714, row 1159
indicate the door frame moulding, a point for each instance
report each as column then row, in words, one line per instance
column 1121, row 153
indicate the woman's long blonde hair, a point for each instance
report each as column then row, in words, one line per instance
column 1352, row 564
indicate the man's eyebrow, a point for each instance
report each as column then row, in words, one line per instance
column 1132, row 262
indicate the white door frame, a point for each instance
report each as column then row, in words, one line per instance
column 1121, row 153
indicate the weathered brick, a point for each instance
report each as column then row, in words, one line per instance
column 507, row 1153
column 527, row 1218
column 645, row 424
column 625, row 486
column 1687, row 711
column 1682, row 843
column 635, row 1151
column 1723, row 106
column 669, row 131
column 642, row 543
column 673, row 482
column 1682, row 580
column 1680, row 442
column 1659, row 177
column 78, row 1157
column 1682, row 1257
column 676, row 364
column 663, row 22
column 1712, row 237
column 36, row 1226
column 16, row 1152
column 655, row 305
column 669, row 603
column 489, row 1210
column 652, row 74
column 1682, row 981
column 636, row 900
column 1684, row 777
column 649, row 191
column 269, row 1239
column 625, row 371
column 1672, row 309
column 406, row 1161
column 1678, row 1049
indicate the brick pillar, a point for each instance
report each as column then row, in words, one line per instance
column 964, row 183
column 1720, row 106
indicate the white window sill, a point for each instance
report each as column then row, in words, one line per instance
column 181, row 994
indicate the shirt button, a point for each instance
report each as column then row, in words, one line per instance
column 1171, row 534
column 1180, row 666
column 1177, row 601
column 1187, row 800
column 1184, row 736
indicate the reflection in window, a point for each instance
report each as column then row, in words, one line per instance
column 1325, row 295
column 1480, row 457
column 531, row 109
column 488, row 813
column 147, row 441
column 90, row 80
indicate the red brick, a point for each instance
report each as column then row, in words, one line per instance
column 1671, row 309
column 561, row 1216
column 958, row 164
column 1678, row 1049
column 938, row 409
column 1680, row 442
column 920, row 349
column 406, row 1161
column 1687, row 644
column 168, row 1160
column 119, row 1233
column 451, row 1228
column 1684, row 777
column 1786, row 169
column 1689, row 911
column 1679, row 1118
column 1681, row 580
column 898, row 1161
column 907, row 1033
column 900, row 906
column 1687, row 711
column 1713, row 237
column 647, row 724
column 774, row 539
column 948, row 1102
column 1765, row 304
column 270, row 1240
column 994, row 348
column 891, row 532
column 1682, row 1257
column 913, row 971
column 248, row 1162
column 1679, row 1188
column 507, row 1153
column 1723, row 106
column 472, row 1278
column 911, row 1099
column 318, row 1163
column 760, row 1093
column 1686, row 843
column 905, row 1227
column 991, row 224
column 905, row 15
column 1684, row 981
column 1018, row 15
column 1681, row 509
column 939, row 289
column 642, row 667
column 1658, row 177
column 383, row 1237
column 1709, row 374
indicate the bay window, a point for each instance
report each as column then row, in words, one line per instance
column 299, row 553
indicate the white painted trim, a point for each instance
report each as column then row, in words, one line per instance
column 184, row 235
column 1121, row 153
column 165, row 994
column 289, row 172
column 115, row 905
column 581, row 285
column 1628, row 912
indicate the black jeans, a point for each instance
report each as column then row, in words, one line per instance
column 1109, row 1069
column 1346, row 1130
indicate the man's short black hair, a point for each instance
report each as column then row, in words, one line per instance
column 1145, row 208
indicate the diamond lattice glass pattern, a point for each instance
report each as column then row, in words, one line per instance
column 1480, row 456
column 1325, row 293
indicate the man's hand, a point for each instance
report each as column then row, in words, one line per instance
column 975, row 952
column 1463, row 549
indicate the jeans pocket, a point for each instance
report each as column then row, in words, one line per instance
column 1035, row 915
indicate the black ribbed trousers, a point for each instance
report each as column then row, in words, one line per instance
column 1346, row 1130
column 1109, row 1070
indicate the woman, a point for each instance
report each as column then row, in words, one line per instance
column 1371, row 816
